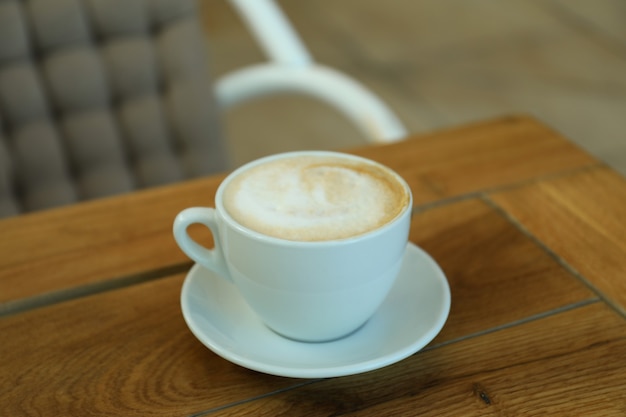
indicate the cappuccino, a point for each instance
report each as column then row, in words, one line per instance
column 315, row 197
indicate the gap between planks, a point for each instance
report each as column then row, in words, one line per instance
column 535, row 317
column 55, row 297
column 557, row 258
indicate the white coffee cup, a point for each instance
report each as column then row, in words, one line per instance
column 308, row 290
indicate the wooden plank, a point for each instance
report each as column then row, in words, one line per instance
column 125, row 352
column 484, row 254
column 480, row 156
column 570, row 363
column 127, row 235
column 583, row 220
column 132, row 344
column 496, row 273
column 95, row 241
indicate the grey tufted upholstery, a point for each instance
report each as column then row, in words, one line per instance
column 99, row 97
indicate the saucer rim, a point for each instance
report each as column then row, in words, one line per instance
column 418, row 343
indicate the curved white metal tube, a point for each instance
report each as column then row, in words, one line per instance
column 361, row 106
column 271, row 28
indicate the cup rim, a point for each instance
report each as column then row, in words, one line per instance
column 219, row 203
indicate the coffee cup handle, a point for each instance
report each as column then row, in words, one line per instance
column 212, row 259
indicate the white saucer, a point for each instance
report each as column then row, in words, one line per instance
column 410, row 317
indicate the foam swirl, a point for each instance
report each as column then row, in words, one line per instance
column 312, row 198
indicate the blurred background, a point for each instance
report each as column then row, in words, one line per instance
column 440, row 63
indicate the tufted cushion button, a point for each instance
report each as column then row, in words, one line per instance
column 48, row 195
column 76, row 79
column 143, row 123
column 164, row 11
column 41, row 167
column 104, row 180
column 38, row 152
column 158, row 168
column 93, row 140
column 187, row 103
column 8, row 206
column 201, row 161
column 180, row 51
column 113, row 18
column 22, row 97
column 132, row 67
column 100, row 97
column 59, row 23
column 6, row 164
column 14, row 42
column 8, row 201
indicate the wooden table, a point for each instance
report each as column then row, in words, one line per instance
column 529, row 229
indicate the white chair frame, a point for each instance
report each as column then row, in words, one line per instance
column 291, row 69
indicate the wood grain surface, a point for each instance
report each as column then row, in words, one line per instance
column 483, row 254
column 126, row 237
column 132, row 344
column 125, row 352
column 567, row 364
column 528, row 229
column 583, row 220
column 480, row 156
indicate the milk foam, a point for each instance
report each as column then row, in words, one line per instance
column 312, row 198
